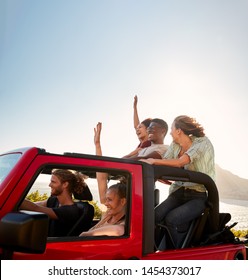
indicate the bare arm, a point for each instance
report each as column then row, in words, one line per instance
column 28, row 205
column 136, row 120
column 153, row 155
column 42, row 203
column 133, row 153
column 97, row 138
column 101, row 177
column 110, row 230
column 177, row 162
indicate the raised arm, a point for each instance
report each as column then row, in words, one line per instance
column 136, row 120
column 97, row 138
column 102, row 178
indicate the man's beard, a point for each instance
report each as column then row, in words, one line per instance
column 56, row 192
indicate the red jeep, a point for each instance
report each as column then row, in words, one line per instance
column 23, row 234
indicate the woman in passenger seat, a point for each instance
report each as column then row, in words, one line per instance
column 113, row 221
column 114, row 198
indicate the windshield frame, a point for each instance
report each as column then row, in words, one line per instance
column 7, row 163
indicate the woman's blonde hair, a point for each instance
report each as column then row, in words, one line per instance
column 189, row 126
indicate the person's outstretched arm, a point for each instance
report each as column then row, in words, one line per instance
column 102, row 178
column 31, row 206
column 136, row 120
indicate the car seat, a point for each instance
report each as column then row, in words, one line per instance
column 84, row 223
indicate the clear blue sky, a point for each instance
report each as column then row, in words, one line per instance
column 65, row 65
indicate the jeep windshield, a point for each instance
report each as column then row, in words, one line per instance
column 7, row 162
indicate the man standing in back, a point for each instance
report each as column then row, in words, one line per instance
column 157, row 131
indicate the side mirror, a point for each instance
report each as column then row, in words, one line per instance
column 23, row 231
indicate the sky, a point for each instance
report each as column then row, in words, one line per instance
column 66, row 65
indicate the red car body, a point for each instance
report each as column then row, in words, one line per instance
column 138, row 240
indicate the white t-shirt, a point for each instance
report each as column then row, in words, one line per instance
column 159, row 148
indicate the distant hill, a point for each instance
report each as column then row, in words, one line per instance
column 230, row 185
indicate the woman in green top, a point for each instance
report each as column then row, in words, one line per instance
column 190, row 150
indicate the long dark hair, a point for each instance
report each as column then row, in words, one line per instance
column 146, row 122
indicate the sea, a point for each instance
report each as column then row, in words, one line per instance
column 238, row 210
